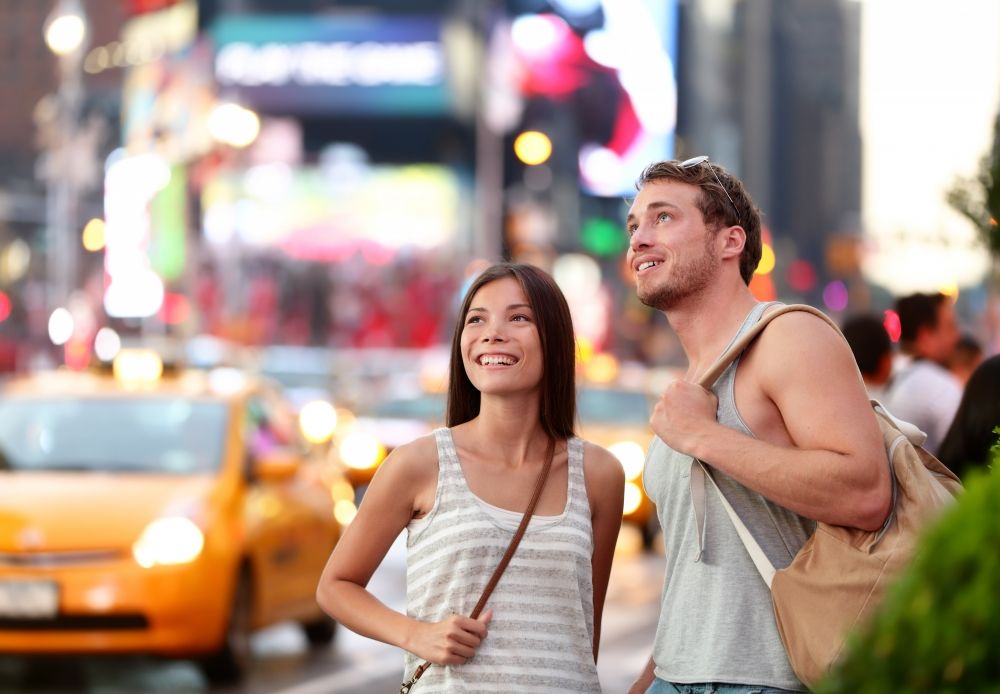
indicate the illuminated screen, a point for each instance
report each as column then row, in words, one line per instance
column 343, row 64
column 619, row 80
column 321, row 215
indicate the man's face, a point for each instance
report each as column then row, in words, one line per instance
column 939, row 342
column 671, row 251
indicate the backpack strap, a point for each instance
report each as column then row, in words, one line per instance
column 709, row 378
column 699, row 470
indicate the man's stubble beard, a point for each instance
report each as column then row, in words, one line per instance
column 684, row 282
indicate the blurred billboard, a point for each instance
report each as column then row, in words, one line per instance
column 334, row 64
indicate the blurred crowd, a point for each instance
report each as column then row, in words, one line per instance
column 939, row 378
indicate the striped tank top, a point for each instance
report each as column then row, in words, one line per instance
column 541, row 636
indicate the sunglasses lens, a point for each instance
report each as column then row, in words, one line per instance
column 693, row 161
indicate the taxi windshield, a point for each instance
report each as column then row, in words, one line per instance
column 164, row 435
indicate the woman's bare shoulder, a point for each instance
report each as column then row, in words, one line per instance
column 413, row 461
column 600, row 465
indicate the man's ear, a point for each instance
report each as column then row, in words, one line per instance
column 734, row 239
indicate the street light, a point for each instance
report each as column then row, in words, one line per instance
column 66, row 35
column 66, row 28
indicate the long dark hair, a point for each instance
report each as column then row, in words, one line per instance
column 557, row 406
column 967, row 443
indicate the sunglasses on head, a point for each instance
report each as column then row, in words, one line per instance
column 703, row 159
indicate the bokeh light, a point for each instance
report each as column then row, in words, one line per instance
column 892, row 324
column 60, row 326
column 533, row 147
column 801, row 276
column 93, row 235
column 767, row 260
column 835, row 296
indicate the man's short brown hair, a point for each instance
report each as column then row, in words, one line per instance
column 719, row 207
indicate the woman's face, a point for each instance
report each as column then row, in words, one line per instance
column 501, row 349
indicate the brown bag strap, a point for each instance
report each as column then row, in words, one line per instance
column 504, row 560
column 699, row 471
column 736, row 349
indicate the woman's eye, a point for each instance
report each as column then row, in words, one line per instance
column 472, row 319
column 520, row 317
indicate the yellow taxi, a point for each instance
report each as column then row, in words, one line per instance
column 144, row 512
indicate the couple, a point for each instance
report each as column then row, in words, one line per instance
column 786, row 429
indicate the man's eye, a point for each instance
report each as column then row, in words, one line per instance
column 662, row 217
column 630, row 229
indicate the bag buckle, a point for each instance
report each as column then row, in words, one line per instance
column 405, row 687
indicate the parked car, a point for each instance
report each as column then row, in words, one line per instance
column 157, row 513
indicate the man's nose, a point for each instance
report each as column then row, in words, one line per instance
column 639, row 239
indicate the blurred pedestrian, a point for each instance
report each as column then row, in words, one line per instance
column 967, row 444
column 967, row 356
column 872, row 349
column 459, row 494
column 923, row 391
column 787, row 433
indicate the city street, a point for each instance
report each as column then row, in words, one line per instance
column 284, row 664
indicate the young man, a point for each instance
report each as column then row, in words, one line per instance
column 923, row 391
column 787, row 433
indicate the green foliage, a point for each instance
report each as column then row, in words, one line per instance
column 995, row 449
column 978, row 198
column 939, row 627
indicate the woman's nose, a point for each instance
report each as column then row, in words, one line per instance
column 493, row 334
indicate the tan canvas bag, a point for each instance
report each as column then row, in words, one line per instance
column 840, row 574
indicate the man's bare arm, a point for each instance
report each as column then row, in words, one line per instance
column 835, row 469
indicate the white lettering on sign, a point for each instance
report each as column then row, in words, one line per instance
column 337, row 64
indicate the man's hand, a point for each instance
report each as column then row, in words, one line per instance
column 451, row 641
column 682, row 413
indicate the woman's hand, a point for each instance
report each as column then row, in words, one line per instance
column 451, row 641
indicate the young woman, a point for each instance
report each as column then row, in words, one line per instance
column 460, row 493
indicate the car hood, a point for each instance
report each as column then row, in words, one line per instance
column 41, row 512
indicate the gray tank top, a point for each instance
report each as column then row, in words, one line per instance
column 716, row 620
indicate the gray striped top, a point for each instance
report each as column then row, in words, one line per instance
column 541, row 636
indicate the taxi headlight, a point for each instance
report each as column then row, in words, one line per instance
column 631, row 456
column 345, row 511
column 361, row 451
column 318, row 421
column 136, row 367
column 168, row 541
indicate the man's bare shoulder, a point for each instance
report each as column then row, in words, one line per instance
column 801, row 329
column 801, row 344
